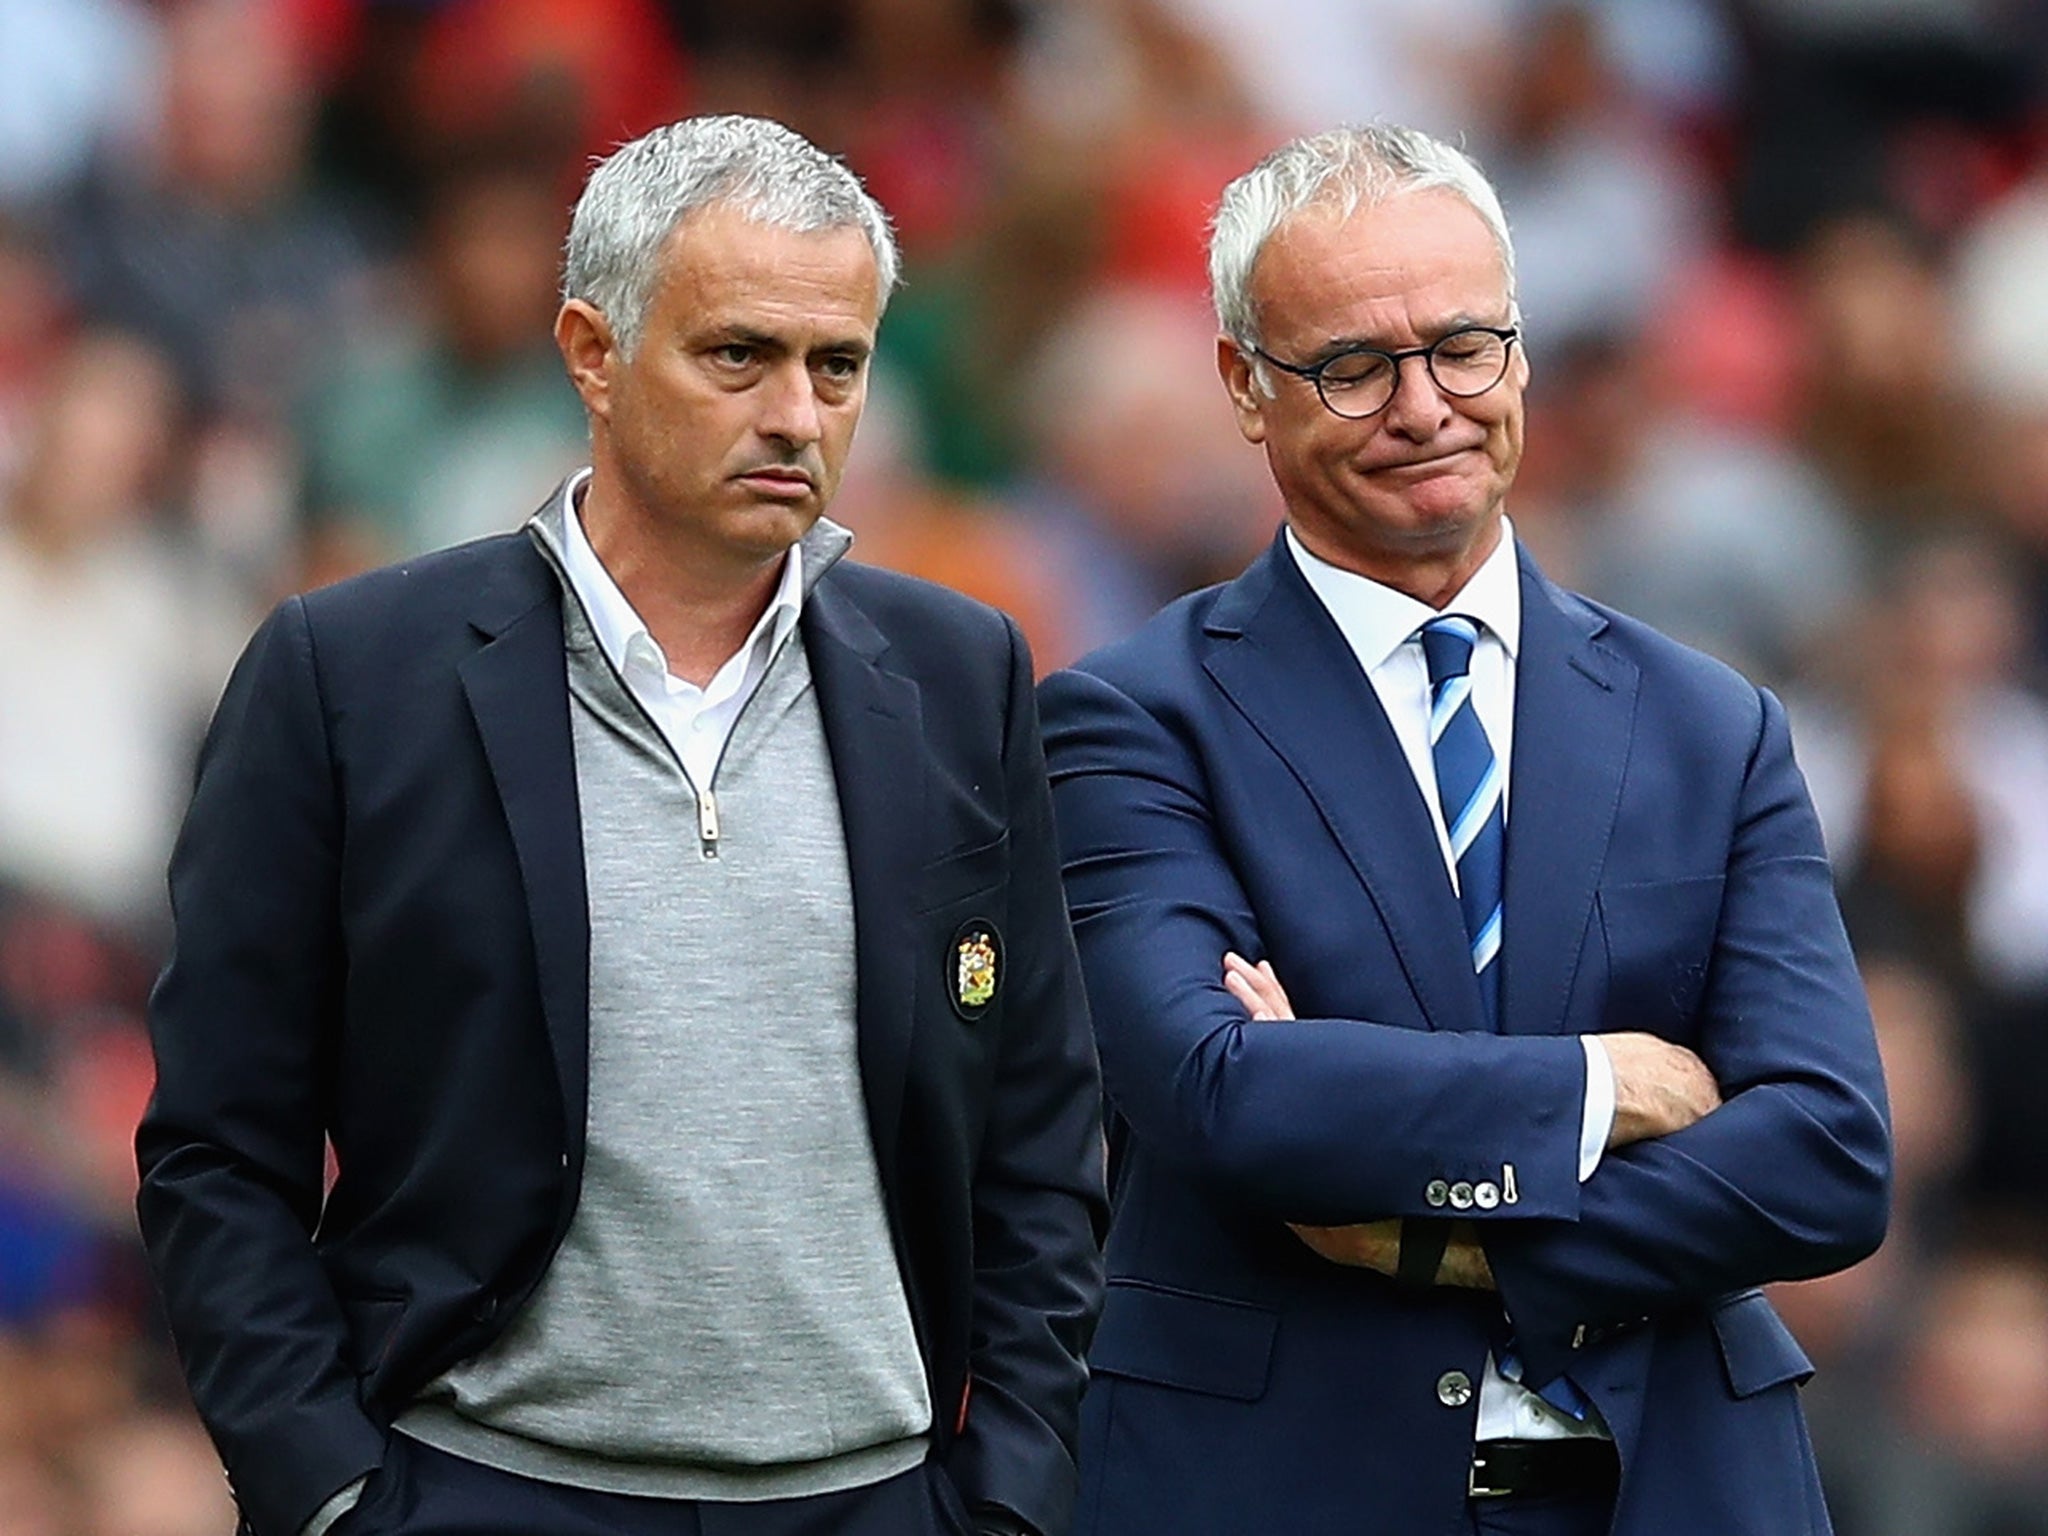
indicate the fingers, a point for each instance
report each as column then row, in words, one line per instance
column 1246, row 994
column 1257, row 987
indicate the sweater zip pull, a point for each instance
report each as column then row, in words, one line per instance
column 707, row 821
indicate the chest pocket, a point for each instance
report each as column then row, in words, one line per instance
column 1659, row 937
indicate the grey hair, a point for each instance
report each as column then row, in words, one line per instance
column 640, row 193
column 1346, row 168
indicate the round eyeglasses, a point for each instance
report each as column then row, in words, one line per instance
column 1360, row 381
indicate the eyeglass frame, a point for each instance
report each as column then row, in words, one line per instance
column 1507, row 335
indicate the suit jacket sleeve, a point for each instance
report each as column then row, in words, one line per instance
column 1314, row 1120
column 1791, row 1176
column 1039, row 1210
column 231, row 1150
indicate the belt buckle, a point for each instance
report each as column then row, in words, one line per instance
column 1475, row 1485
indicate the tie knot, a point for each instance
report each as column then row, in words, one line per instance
column 1447, row 647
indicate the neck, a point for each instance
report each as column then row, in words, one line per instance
column 1430, row 576
column 699, row 605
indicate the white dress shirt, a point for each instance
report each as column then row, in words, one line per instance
column 696, row 722
column 1382, row 627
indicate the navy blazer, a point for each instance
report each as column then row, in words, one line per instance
column 382, row 940
column 1226, row 779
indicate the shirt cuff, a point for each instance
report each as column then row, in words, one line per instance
column 1596, row 1123
column 334, row 1508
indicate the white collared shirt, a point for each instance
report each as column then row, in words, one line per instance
column 1382, row 628
column 696, row 722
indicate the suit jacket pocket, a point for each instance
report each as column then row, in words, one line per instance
column 1660, row 938
column 1182, row 1339
column 1757, row 1349
column 964, row 875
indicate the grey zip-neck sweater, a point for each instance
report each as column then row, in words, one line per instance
column 725, row 1318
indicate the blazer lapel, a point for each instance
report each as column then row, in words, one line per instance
column 1574, row 711
column 1281, row 660
column 518, row 690
column 874, row 728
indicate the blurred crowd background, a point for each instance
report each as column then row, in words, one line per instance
column 276, row 282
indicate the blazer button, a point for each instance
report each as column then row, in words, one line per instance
column 1461, row 1196
column 1454, row 1389
column 485, row 1309
column 1436, row 1192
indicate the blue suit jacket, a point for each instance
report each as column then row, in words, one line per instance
column 382, row 938
column 1226, row 779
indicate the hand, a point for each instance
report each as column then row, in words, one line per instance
column 1658, row 1087
column 1257, row 987
column 1376, row 1245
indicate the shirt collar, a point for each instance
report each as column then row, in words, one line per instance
column 1377, row 621
column 613, row 619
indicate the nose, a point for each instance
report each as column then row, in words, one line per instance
column 1418, row 409
column 789, row 406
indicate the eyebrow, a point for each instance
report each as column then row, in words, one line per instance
column 765, row 341
column 1462, row 321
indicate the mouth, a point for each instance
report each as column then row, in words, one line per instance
column 778, row 483
column 1423, row 468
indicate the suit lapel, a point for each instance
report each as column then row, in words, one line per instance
column 874, row 728
column 518, row 691
column 1574, row 711
column 1281, row 660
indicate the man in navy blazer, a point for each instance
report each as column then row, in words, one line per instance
column 699, row 1166
column 1476, row 1018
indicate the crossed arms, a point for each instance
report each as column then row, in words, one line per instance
column 1338, row 1122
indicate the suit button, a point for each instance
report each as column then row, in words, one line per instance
column 1454, row 1389
column 1437, row 1192
column 1486, row 1195
column 1461, row 1196
column 485, row 1309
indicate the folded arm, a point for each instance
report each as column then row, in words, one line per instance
column 1322, row 1121
column 1790, row 1177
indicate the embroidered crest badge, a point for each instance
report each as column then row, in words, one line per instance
column 977, row 961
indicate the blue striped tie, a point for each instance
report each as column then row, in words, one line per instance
column 1468, row 784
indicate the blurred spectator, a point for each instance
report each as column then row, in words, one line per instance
column 1933, row 787
column 115, row 642
column 450, row 418
column 207, row 238
column 1716, row 531
column 2002, row 344
column 1881, row 395
column 1433, row 64
column 31, row 336
column 1143, row 481
column 1606, row 209
column 1974, row 1401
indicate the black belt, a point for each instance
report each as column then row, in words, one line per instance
column 1582, row 1467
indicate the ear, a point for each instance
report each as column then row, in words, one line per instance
column 584, row 338
column 1235, row 366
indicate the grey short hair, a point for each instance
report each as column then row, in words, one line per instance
column 1347, row 168
column 637, row 195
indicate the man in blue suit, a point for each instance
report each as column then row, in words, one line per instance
column 1476, row 1018
column 658, row 915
